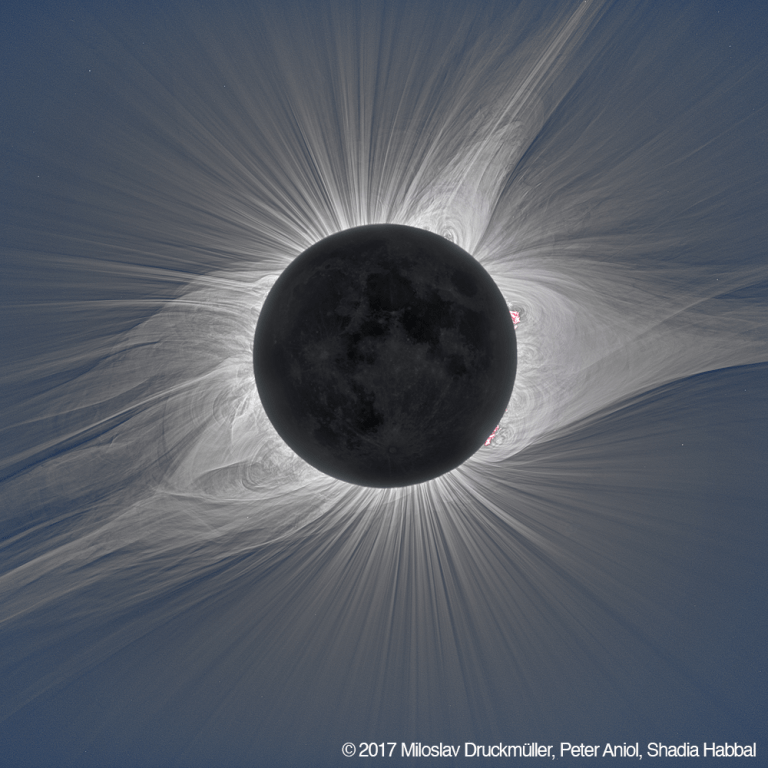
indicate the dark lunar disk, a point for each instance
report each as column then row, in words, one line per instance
column 384, row 355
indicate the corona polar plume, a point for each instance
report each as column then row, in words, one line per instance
column 600, row 161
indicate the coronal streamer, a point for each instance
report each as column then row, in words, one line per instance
column 144, row 480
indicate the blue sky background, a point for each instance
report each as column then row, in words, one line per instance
column 600, row 578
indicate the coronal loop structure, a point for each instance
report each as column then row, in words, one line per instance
column 178, row 586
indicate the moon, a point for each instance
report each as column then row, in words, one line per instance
column 385, row 355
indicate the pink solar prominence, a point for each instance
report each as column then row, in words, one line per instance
column 515, row 314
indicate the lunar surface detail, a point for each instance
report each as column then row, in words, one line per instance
column 385, row 355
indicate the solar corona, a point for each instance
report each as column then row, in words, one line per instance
column 382, row 377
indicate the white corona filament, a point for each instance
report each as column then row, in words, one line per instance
column 149, row 461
